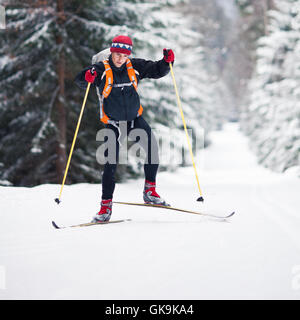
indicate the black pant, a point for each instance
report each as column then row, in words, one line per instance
column 145, row 138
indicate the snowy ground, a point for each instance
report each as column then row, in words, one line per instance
column 160, row 254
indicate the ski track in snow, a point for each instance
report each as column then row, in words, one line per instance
column 160, row 254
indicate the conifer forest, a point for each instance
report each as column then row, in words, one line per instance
column 236, row 61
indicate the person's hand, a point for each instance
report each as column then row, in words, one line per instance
column 90, row 75
column 169, row 55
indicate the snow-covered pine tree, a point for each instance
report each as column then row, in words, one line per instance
column 158, row 97
column 218, row 33
column 39, row 54
column 272, row 119
column 43, row 47
column 198, row 92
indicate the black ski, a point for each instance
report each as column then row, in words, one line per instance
column 88, row 224
column 175, row 209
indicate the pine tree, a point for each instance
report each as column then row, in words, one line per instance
column 273, row 117
column 198, row 91
column 46, row 43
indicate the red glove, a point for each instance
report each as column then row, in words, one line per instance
column 90, row 75
column 169, row 55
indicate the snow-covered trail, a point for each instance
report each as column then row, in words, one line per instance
column 159, row 254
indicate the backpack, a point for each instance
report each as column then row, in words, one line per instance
column 102, row 56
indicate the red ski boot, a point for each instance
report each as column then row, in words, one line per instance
column 105, row 211
column 151, row 196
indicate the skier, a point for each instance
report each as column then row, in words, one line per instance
column 116, row 80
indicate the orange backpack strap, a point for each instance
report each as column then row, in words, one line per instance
column 131, row 74
column 109, row 79
column 133, row 80
column 106, row 91
column 109, row 84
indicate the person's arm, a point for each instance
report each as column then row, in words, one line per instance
column 154, row 69
column 86, row 75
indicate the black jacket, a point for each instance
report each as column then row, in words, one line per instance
column 123, row 102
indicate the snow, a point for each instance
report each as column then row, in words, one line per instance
column 271, row 117
column 160, row 254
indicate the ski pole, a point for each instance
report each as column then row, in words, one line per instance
column 186, row 132
column 57, row 200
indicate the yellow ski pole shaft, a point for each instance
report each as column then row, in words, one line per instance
column 186, row 132
column 57, row 200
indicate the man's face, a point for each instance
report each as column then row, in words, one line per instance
column 118, row 58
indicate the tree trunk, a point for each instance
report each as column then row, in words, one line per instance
column 267, row 5
column 60, row 101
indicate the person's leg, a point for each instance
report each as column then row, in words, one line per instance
column 110, row 167
column 148, row 142
column 108, row 176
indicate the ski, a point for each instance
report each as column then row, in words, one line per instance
column 175, row 209
column 88, row 224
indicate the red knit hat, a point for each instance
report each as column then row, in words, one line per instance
column 121, row 44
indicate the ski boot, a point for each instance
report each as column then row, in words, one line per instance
column 150, row 195
column 105, row 212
